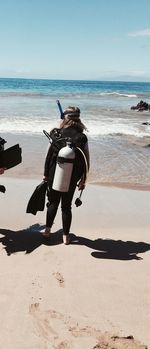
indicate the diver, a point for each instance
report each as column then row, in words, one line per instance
column 71, row 128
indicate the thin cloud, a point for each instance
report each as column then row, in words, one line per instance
column 144, row 32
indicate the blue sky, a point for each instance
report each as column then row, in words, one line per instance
column 75, row 39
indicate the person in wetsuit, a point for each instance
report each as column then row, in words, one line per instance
column 71, row 127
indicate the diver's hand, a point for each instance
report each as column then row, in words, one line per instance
column 2, row 169
column 81, row 185
column 45, row 179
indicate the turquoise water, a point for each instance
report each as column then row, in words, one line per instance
column 73, row 86
column 117, row 137
column 105, row 106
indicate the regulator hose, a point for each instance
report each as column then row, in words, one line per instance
column 85, row 160
column 78, row 201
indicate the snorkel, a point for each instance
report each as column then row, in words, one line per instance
column 60, row 109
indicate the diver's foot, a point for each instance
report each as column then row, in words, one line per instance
column 66, row 239
column 47, row 232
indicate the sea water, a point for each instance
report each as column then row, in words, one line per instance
column 118, row 137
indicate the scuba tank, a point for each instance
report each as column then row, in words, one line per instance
column 64, row 162
column 64, row 167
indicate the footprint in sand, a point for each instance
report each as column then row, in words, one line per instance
column 64, row 333
column 62, row 345
column 41, row 321
column 118, row 342
column 60, row 279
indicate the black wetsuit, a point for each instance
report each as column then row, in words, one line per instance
column 2, row 142
column 54, row 197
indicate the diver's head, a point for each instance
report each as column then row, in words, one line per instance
column 72, row 119
column 72, row 113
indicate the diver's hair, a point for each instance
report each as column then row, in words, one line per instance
column 73, row 123
column 72, row 119
column 72, row 112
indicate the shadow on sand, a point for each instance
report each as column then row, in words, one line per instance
column 29, row 239
column 112, row 249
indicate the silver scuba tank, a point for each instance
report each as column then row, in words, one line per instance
column 64, row 167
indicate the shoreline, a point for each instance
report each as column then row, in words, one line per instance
column 97, row 200
column 34, row 149
column 123, row 186
column 140, row 187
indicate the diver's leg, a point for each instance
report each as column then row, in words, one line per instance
column 54, row 200
column 66, row 204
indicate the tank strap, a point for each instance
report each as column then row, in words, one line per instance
column 61, row 160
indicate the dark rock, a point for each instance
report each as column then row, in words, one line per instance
column 141, row 106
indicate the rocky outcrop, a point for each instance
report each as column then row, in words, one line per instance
column 146, row 123
column 141, row 106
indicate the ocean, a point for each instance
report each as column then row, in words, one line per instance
column 119, row 142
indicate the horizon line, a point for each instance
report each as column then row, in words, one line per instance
column 56, row 79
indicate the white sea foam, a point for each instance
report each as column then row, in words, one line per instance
column 26, row 127
column 117, row 94
column 104, row 129
column 95, row 127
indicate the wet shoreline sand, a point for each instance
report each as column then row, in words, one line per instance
column 34, row 149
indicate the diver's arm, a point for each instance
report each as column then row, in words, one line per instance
column 87, row 154
column 47, row 163
column 81, row 184
column 2, row 169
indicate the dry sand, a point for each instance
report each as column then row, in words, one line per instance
column 92, row 294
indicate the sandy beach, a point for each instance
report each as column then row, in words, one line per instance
column 91, row 294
